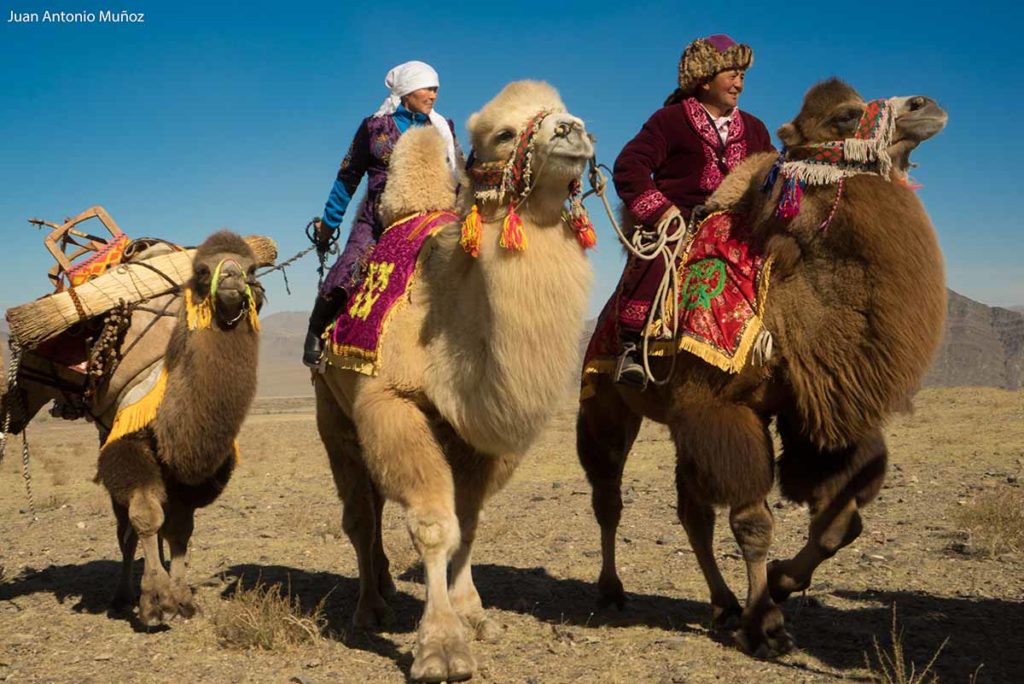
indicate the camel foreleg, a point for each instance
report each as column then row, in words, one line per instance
column 835, row 484
column 362, row 508
column 477, row 476
column 129, row 470
column 762, row 631
column 128, row 540
column 698, row 519
column 406, row 461
column 605, row 431
column 177, row 529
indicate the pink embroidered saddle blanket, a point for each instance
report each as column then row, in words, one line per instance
column 723, row 277
column 356, row 334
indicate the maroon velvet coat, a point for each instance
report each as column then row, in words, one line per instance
column 678, row 158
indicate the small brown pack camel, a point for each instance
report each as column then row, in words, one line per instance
column 173, row 450
column 855, row 309
column 475, row 362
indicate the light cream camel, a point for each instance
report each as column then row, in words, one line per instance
column 473, row 366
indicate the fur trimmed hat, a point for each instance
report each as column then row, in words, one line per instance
column 705, row 57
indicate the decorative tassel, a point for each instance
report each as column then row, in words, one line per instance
column 512, row 235
column 789, row 202
column 472, row 232
column 198, row 316
column 254, row 316
column 577, row 217
column 585, row 233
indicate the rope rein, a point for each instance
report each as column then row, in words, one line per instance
column 665, row 242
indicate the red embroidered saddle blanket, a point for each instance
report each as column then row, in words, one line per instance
column 723, row 277
column 356, row 334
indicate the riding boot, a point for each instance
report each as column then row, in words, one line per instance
column 628, row 370
column 324, row 311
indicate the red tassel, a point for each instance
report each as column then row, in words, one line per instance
column 512, row 235
column 584, row 229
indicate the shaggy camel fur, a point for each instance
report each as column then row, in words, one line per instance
column 158, row 475
column 474, row 364
column 856, row 312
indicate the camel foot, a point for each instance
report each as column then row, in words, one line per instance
column 726, row 618
column 373, row 614
column 482, row 627
column 182, row 595
column 610, row 591
column 766, row 646
column 156, row 602
column 780, row 584
column 766, row 638
column 448, row 660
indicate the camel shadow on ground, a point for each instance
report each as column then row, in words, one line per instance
column 92, row 583
column 982, row 632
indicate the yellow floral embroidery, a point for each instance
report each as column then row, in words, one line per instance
column 377, row 276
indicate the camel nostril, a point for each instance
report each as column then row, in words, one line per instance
column 916, row 103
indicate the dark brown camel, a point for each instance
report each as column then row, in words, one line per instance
column 855, row 312
column 181, row 459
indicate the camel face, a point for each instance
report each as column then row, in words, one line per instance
column 226, row 267
column 918, row 118
column 562, row 145
column 832, row 110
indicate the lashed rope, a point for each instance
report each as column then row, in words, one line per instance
column 14, row 391
column 667, row 243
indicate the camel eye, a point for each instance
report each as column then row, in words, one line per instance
column 504, row 135
column 202, row 271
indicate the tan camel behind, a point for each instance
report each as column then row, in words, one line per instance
column 856, row 309
column 175, row 450
column 472, row 367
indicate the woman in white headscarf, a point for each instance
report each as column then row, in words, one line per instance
column 412, row 90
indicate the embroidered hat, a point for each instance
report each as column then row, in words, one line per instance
column 705, row 57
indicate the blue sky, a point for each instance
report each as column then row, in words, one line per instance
column 236, row 114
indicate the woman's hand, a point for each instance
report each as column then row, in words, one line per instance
column 324, row 235
column 668, row 216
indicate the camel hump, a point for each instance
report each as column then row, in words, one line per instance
column 419, row 178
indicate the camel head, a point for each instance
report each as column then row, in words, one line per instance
column 833, row 111
column 531, row 113
column 223, row 288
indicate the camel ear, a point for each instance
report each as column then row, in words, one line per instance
column 788, row 134
column 471, row 123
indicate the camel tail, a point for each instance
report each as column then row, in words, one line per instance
column 419, row 178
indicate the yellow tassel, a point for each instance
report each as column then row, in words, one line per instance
column 472, row 232
column 254, row 316
column 198, row 316
column 512, row 235
column 140, row 414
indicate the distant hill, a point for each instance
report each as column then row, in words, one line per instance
column 281, row 373
column 982, row 346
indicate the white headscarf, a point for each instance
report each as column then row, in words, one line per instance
column 404, row 79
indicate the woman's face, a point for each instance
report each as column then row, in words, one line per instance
column 724, row 89
column 420, row 101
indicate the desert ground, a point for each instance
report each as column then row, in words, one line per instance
column 942, row 545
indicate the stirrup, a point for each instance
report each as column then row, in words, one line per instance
column 628, row 371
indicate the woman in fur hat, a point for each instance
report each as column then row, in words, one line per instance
column 412, row 90
column 680, row 156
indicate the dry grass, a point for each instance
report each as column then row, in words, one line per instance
column 995, row 521
column 263, row 618
column 890, row 666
